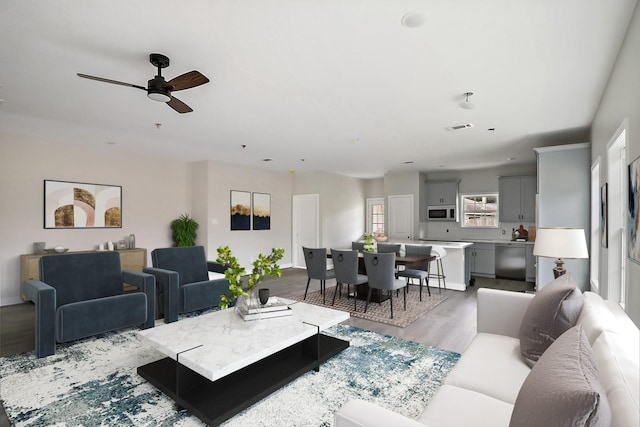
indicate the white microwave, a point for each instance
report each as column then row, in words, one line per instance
column 442, row 213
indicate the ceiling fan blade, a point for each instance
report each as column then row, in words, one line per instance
column 115, row 82
column 179, row 106
column 186, row 81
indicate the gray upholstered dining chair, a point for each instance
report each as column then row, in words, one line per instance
column 384, row 248
column 316, row 261
column 357, row 246
column 381, row 273
column 420, row 272
column 345, row 264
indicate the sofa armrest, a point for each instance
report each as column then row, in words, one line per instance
column 168, row 284
column 146, row 283
column 44, row 297
column 359, row 413
column 216, row 267
column 501, row 312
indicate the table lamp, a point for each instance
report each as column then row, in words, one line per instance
column 559, row 243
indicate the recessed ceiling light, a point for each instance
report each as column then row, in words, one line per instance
column 111, row 143
column 414, row 19
column 267, row 160
column 292, row 171
column 511, row 158
column 408, row 162
column 491, row 129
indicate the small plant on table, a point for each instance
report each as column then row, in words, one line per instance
column 264, row 266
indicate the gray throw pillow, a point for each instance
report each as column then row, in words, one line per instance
column 563, row 388
column 553, row 310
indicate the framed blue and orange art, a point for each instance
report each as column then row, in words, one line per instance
column 633, row 218
column 261, row 211
column 240, row 210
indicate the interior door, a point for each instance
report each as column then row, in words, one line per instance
column 306, row 226
column 401, row 217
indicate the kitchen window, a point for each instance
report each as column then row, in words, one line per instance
column 479, row 210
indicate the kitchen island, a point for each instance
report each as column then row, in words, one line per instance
column 453, row 263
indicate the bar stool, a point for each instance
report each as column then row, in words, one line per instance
column 439, row 252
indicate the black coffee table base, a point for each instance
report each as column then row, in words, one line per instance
column 216, row 401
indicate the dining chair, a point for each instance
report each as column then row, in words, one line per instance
column 357, row 246
column 421, row 271
column 384, row 248
column 316, row 261
column 381, row 273
column 345, row 264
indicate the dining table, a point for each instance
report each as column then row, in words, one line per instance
column 401, row 260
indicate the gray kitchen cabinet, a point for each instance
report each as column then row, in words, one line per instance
column 530, row 275
column 442, row 193
column 517, row 198
column 481, row 258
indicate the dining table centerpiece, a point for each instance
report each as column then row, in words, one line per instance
column 264, row 266
column 369, row 242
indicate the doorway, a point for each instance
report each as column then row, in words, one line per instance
column 306, row 226
column 401, row 217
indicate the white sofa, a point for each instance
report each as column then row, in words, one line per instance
column 483, row 386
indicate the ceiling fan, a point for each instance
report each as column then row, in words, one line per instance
column 160, row 90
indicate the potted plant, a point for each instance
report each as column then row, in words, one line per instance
column 184, row 230
column 264, row 266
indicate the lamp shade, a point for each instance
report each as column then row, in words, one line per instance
column 556, row 242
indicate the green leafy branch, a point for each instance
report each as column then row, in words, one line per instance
column 264, row 266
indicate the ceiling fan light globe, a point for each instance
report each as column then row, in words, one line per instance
column 467, row 105
column 159, row 96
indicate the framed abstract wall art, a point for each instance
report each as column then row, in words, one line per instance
column 633, row 216
column 240, row 210
column 604, row 234
column 82, row 205
column 261, row 211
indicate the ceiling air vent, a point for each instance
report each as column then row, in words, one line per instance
column 458, row 127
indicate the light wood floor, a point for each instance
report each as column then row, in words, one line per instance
column 451, row 325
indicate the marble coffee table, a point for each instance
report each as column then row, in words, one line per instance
column 218, row 364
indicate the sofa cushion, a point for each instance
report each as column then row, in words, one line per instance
column 458, row 407
column 594, row 317
column 553, row 310
column 617, row 355
column 563, row 388
column 491, row 365
column 82, row 276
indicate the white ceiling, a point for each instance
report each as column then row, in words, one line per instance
column 338, row 83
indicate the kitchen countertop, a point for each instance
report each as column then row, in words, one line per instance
column 437, row 241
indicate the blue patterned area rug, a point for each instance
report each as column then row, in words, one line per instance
column 93, row 382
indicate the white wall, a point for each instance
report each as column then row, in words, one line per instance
column 621, row 101
column 153, row 193
column 342, row 206
column 221, row 178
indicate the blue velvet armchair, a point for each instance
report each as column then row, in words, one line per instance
column 183, row 280
column 80, row 295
